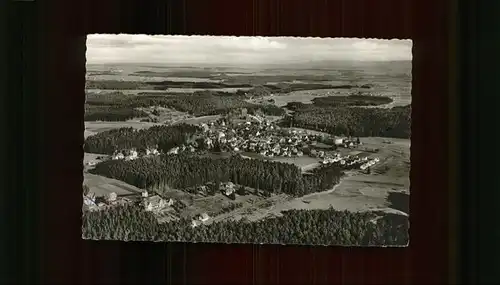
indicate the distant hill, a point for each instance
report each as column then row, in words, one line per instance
column 344, row 68
column 290, row 65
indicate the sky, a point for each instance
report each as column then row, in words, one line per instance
column 226, row 50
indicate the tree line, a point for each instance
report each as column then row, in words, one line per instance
column 159, row 85
column 352, row 121
column 352, row 100
column 205, row 104
column 111, row 113
column 311, row 227
column 255, row 86
column 116, row 85
column 162, row 137
column 182, row 171
column 200, row 103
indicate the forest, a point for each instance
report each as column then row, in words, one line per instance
column 182, row 171
column 116, row 85
column 200, row 103
column 162, row 137
column 164, row 85
column 351, row 100
column 312, row 227
column 158, row 85
column 111, row 113
column 353, row 121
column 203, row 103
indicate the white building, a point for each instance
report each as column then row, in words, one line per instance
column 205, row 127
column 89, row 201
column 204, row 217
column 228, row 188
column 133, row 154
column 174, row 150
column 118, row 156
column 156, row 203
column 208, row 142
column 195, row 223
column 152, row 151
column 111, row 197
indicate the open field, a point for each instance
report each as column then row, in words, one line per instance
column 302, row 162
column 103, row 186
column 306, row 163
column 100, row 185
column 92, row 158
column 92, row 127
column 199, row 120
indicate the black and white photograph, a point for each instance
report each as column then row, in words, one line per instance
column 247, row 140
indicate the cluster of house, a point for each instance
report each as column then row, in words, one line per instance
column 369, row 163
column 258, row 136
column 151, row 203
column 93, row 202
column 200, row 219
column 317, row 153
column 226, row 188
column 155, row 203
column 347, row 142
column 131, row 154
column 349, row 160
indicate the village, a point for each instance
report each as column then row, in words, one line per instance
column 249, row 134
column 252, row 134
column 257, row 134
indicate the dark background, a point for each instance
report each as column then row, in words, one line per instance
column 43, row 124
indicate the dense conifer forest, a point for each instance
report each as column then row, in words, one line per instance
column 182, row 171
column 256, row 84
column 200, row 103
column 351, row 100
column 163, row 137
column 111, row 113
column 311, row 227
column 353, row 121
